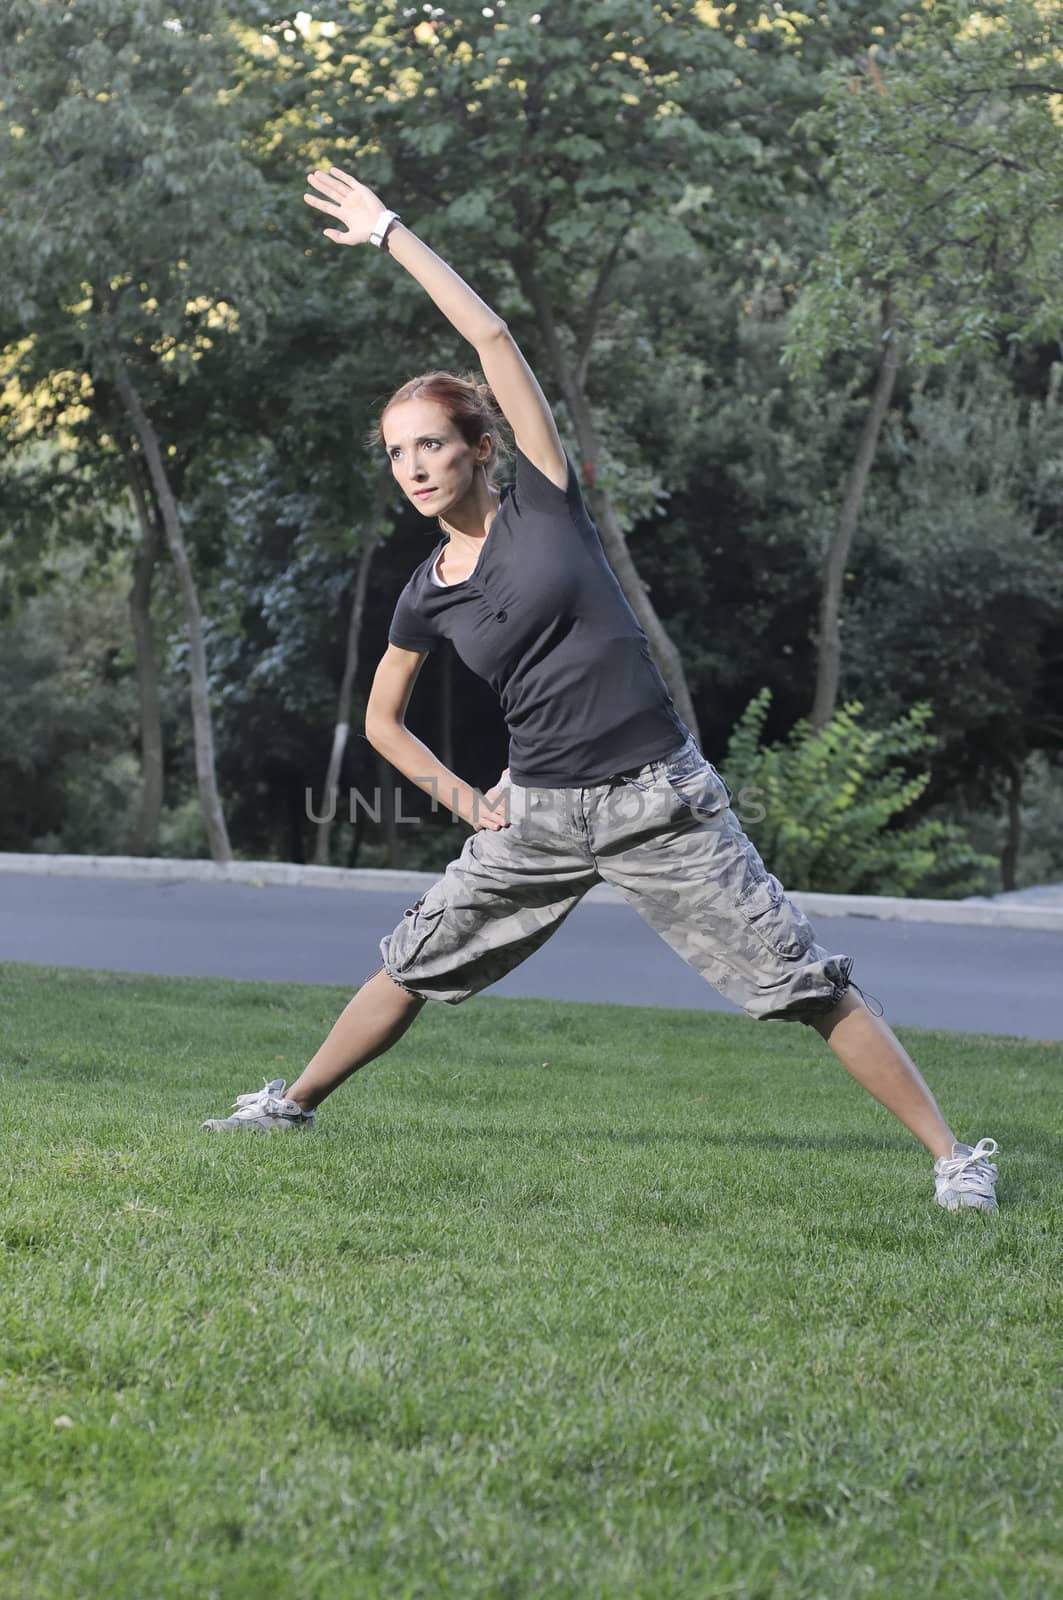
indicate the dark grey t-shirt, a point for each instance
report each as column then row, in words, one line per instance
column 543, row 619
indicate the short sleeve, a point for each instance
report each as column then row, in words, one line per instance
column 536, row 492
column 409, row 629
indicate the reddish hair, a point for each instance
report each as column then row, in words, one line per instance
column 471, row 407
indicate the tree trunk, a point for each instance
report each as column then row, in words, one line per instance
column 1009, row 860
column 202, row 727
column 569, row 380
column 343, row 704
column 829, row 646
column 144, row 840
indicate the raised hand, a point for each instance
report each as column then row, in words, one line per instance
column 349, row 201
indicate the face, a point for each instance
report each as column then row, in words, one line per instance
column 429, row 458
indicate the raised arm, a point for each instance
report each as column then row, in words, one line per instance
column 512, row 381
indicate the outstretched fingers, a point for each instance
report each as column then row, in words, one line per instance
column 328, row 185
column 329, row 206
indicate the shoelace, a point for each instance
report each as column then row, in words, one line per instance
column 976, row 1165
column 258, row 1097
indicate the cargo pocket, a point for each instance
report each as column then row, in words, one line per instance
column 774, row 919
column 418, row 925
column 698, row 785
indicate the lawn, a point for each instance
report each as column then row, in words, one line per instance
column 560, row 1301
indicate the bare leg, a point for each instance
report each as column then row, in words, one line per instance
column 868, row 1049
column 370, row 1023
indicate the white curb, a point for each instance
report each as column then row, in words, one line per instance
column 290, row 874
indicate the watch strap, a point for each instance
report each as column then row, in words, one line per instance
column 381, row 226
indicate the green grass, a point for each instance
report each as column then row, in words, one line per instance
column 560, row 1301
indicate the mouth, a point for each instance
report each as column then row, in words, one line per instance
column 422, row 494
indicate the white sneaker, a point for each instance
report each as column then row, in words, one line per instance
column 265, row 1111
column 967, row 1177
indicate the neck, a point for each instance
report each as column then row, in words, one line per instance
column 469, row 520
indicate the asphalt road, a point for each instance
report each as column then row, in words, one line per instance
column 966, row 979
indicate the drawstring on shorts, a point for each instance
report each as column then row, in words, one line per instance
column 867, row 999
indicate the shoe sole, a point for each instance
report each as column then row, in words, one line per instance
column 221, row 1125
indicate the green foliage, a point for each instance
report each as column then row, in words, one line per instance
column 823, row 805
column 961, row 592
column 131, row 212
column 981, row 811
column 544, row 108
column 1041, row 859
column 943, row 150
column 69, row 778
column 574, row 143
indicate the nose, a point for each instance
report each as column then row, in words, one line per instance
column 416, row 470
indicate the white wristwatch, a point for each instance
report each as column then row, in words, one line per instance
column 381, row 226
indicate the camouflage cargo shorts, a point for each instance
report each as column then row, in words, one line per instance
column 666, row 837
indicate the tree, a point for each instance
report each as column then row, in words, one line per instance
column 944, row 152
column 961, row 601
column 135, row 226
column 65, row 763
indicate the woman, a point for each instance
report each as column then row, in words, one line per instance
column 605, row 782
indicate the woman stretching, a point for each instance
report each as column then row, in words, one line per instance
column 604, row 783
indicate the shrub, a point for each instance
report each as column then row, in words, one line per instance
column 823, row 806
